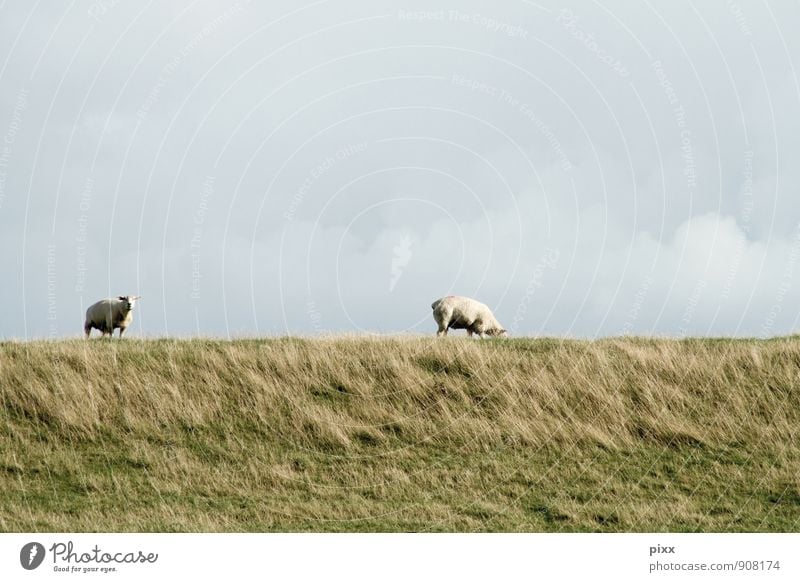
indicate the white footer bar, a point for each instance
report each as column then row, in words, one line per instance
column 440, row 557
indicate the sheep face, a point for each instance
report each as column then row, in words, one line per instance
column 129, row 302
column 497, row 332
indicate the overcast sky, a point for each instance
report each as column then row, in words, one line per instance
column 585, row 168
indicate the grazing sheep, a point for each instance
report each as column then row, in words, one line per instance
column 110, row 314
column 464, row 313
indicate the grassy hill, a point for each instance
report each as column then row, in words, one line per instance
column 400, row 434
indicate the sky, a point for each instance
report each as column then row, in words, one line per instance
column 586, row 169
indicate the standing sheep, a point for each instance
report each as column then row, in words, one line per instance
column 464, row 313
column 110, row 314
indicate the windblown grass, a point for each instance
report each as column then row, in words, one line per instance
column 400, row 434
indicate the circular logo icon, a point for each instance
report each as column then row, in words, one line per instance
column 31, row 555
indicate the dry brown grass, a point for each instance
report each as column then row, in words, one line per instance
column 400, row 434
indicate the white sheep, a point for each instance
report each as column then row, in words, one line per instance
column 454, row 312
column 110, row 314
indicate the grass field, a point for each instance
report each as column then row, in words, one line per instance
column 400, row 434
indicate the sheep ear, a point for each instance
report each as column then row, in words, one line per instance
column 122, row 297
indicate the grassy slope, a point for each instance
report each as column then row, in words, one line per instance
column 400, row 434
